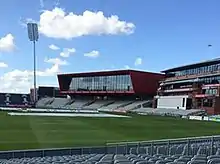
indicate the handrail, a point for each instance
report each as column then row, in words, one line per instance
column 164, row 140
column 47, row 149
column 191, row 76
column 112, row 148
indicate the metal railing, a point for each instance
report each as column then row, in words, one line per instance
column 193, row 76
column 114, row 148
column 51, row 152
column 125, row 147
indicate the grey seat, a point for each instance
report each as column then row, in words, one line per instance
column 214, row 161
column 197, row 162
column 145, row 162
column 163, row 161
column 213, row 156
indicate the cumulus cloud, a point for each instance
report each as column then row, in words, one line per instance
column 138, row 61
column 20, row 81
column 57, row 23
column 92, row 54
column 3, row 65
column 54, row 47
column 57, row 61
column 7, row 43
column 67, row 52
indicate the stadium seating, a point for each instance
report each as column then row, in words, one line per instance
column 135, row 105
column 117, row 159
column 65, row 103
column 42, row 103
column 77, row 104
column 199, row 150
column 139, row 107
column 58, row 103
column 98, row 104
column 115, row 105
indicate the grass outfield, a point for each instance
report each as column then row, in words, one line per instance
column 22, row 132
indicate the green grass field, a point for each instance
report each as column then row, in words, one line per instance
column 22, row 132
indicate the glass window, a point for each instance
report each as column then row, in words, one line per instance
column 207, row 102
column 199, row 70
column 99, row 83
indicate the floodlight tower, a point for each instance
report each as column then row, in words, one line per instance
column 33, row 36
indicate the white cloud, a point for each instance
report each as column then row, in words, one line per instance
column 57, row 23
column 3, row 65
column 67, row 52
column 20, row 81
column 57, row 61
column 23, row 22
column 92, row 54
column 54, row 47
column 126, row 67
column 7, row 43
column 138, row 61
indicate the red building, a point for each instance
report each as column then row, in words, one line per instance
column 195, row 85
column 110, row 83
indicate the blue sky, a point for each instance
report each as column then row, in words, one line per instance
column 149, row 35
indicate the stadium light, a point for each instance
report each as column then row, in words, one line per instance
column 33, row 36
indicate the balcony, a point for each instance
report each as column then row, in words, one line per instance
column 193, row 76
column 205, row 95
column 210, row 86
column 177, row 90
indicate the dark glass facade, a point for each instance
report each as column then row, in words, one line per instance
column 101, row 83
column 198, row 70
column 49, row 92
column 210, row 80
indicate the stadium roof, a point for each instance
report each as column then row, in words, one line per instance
column 105, row 72
column 193, row 65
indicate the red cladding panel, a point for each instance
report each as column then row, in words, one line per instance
column 217, row 106
column 64, row 82
column 145, row 82
column 209, row 110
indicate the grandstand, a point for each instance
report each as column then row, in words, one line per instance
column 103, row 91
column 140, row 107
column 109, row 91
column 190, row 86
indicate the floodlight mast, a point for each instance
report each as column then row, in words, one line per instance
column 33, row 36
